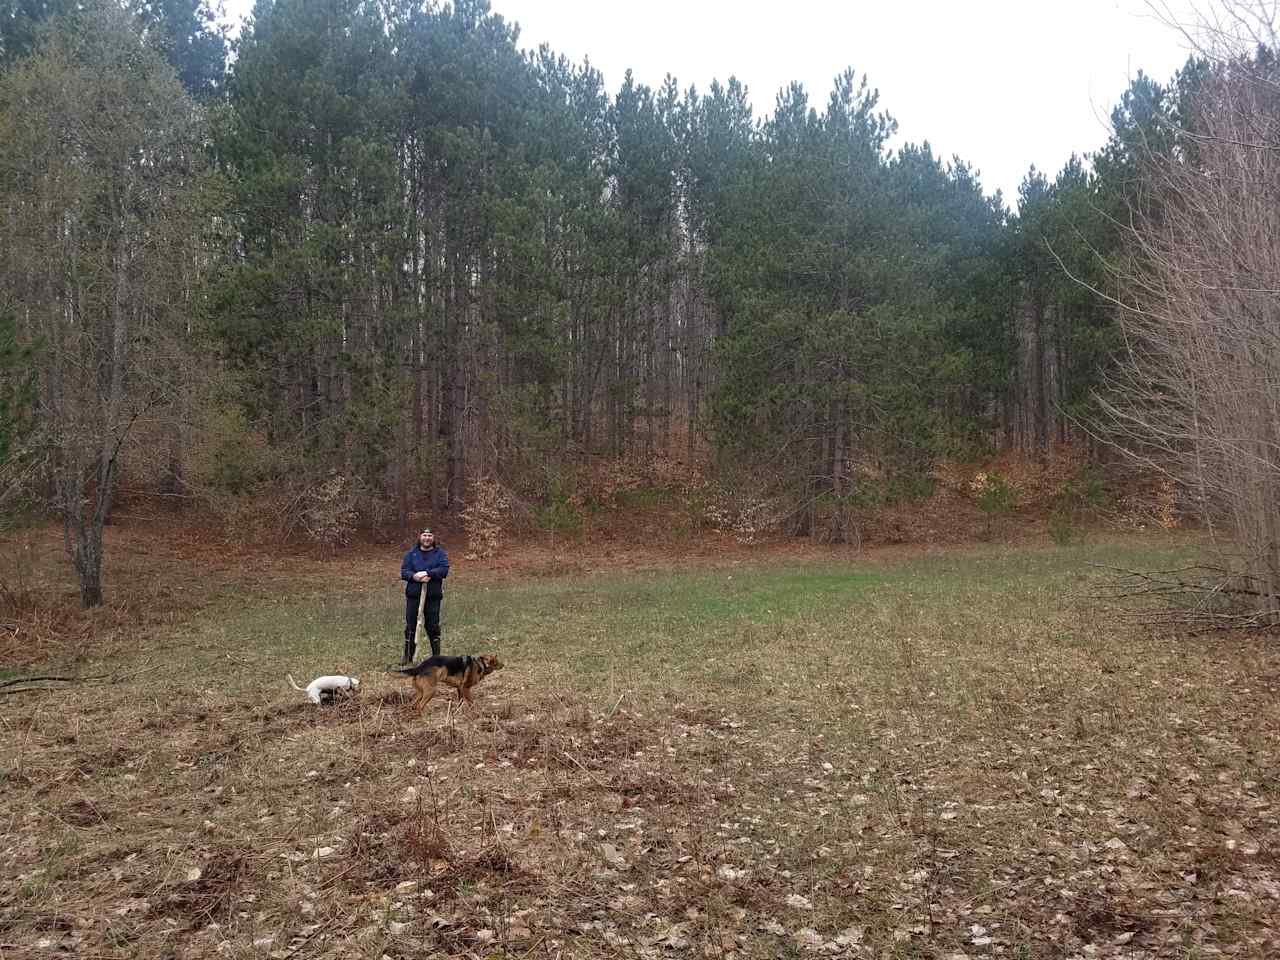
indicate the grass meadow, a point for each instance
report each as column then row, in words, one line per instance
column 948, row 754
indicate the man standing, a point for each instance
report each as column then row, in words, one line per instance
column 425, row 566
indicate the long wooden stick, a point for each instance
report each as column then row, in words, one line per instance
column 9, row 683
column 422, row 606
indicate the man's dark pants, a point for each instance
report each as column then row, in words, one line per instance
column 432, row 617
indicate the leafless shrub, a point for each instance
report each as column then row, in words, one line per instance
column 487, row 514
column 328, row 513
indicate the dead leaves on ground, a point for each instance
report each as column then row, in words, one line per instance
column 546, row 827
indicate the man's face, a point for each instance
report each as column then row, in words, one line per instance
column 426, row 539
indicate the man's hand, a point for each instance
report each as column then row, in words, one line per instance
column 422, row 577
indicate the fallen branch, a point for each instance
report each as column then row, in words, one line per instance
column 16, row 680
column 95, row 678
column 13, row 690
column 1199, row 596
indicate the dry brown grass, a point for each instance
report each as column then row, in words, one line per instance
column 950, row 760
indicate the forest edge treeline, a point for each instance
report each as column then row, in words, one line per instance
column 371, row 258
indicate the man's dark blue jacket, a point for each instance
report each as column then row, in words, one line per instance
column 434, row 561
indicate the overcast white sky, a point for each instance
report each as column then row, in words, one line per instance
column 1002, row 83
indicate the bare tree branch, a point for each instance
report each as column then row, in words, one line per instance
column 1195, row 395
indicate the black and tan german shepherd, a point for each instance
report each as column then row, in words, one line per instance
column 463, row 673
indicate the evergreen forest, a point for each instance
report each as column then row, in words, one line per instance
column 370, row 260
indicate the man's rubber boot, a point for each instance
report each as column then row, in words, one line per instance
column 435, row 646
column 408, row 653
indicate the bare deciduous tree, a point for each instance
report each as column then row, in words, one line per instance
column 98, row 157
column 1198, row 396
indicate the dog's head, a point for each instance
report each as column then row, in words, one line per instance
column 489, row 663
column 349, row 688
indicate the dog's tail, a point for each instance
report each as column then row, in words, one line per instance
column 294, row 684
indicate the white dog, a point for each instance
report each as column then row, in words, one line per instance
column 327, row 688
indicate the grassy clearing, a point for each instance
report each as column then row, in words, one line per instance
column 921, row 757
